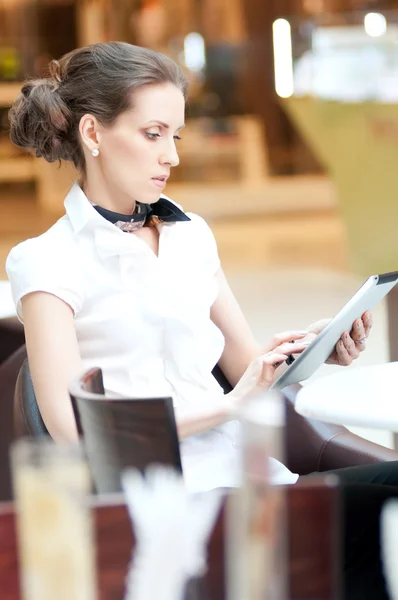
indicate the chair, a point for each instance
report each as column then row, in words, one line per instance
column 122, row 432
column 12, row 337
column 9, row 370
column 310, row 445
column 314, row 446
column 27, row 417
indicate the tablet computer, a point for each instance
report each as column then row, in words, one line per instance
column 305, row 365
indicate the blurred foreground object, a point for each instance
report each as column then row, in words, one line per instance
column 172, row 529
column 55, row 538
column 256, row 512
column 389, row 545
column 315, row 544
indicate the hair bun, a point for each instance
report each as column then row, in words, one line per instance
column 40, row 120
column 54, row 69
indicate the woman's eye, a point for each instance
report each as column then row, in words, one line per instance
column 152, row 136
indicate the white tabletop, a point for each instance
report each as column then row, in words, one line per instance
column 356, row 396
column 7, row 307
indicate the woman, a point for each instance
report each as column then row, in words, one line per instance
column 128, row 281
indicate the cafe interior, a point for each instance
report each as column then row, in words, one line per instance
column 289, row 154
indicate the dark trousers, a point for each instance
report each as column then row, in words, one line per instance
column 364, row 491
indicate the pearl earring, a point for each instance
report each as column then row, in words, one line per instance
column 95, row 152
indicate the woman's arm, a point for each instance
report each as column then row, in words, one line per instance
column 54, row 360
column 241, row 347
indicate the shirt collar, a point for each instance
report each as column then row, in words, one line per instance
column 81, row 212
column 79, row 209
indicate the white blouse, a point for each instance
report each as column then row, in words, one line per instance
column 143, row 319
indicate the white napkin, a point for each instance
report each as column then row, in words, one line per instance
column 172, row 528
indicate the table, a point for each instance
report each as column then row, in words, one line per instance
column 313, row 542
column 358, row 396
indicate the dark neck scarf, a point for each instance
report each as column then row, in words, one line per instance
column 145, row 215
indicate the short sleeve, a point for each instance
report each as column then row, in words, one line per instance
column 35, row 266
column 206, row 243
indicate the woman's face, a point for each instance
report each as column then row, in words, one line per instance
column 138, row 151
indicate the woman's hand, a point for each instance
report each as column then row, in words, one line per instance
column 351, row 344
column 260, row 373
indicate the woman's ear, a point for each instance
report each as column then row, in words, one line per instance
column 89, row 132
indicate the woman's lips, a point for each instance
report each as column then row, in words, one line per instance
column 159, row 182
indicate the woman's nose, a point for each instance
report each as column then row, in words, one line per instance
column 170, row 156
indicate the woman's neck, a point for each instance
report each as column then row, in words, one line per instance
column 102, row 194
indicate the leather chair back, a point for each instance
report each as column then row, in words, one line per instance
column 122, row 432
column 27, row 417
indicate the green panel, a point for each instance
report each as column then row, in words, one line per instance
column 358, row 145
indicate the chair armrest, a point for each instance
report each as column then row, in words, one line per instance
column 27, row 417
column 312, row 445
column 8, row 375
column 347, row 447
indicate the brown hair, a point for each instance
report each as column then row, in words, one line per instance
column 97, row 80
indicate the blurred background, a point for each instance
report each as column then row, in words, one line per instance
column 289, row 151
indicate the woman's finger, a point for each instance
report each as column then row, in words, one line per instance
column 358, row 334
column 342, row 355
column 367, row 319
column 358, row 330
column 350, row 346
column 289, row 348
column 285, row 336
column 271, row 361
column 274, row 358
